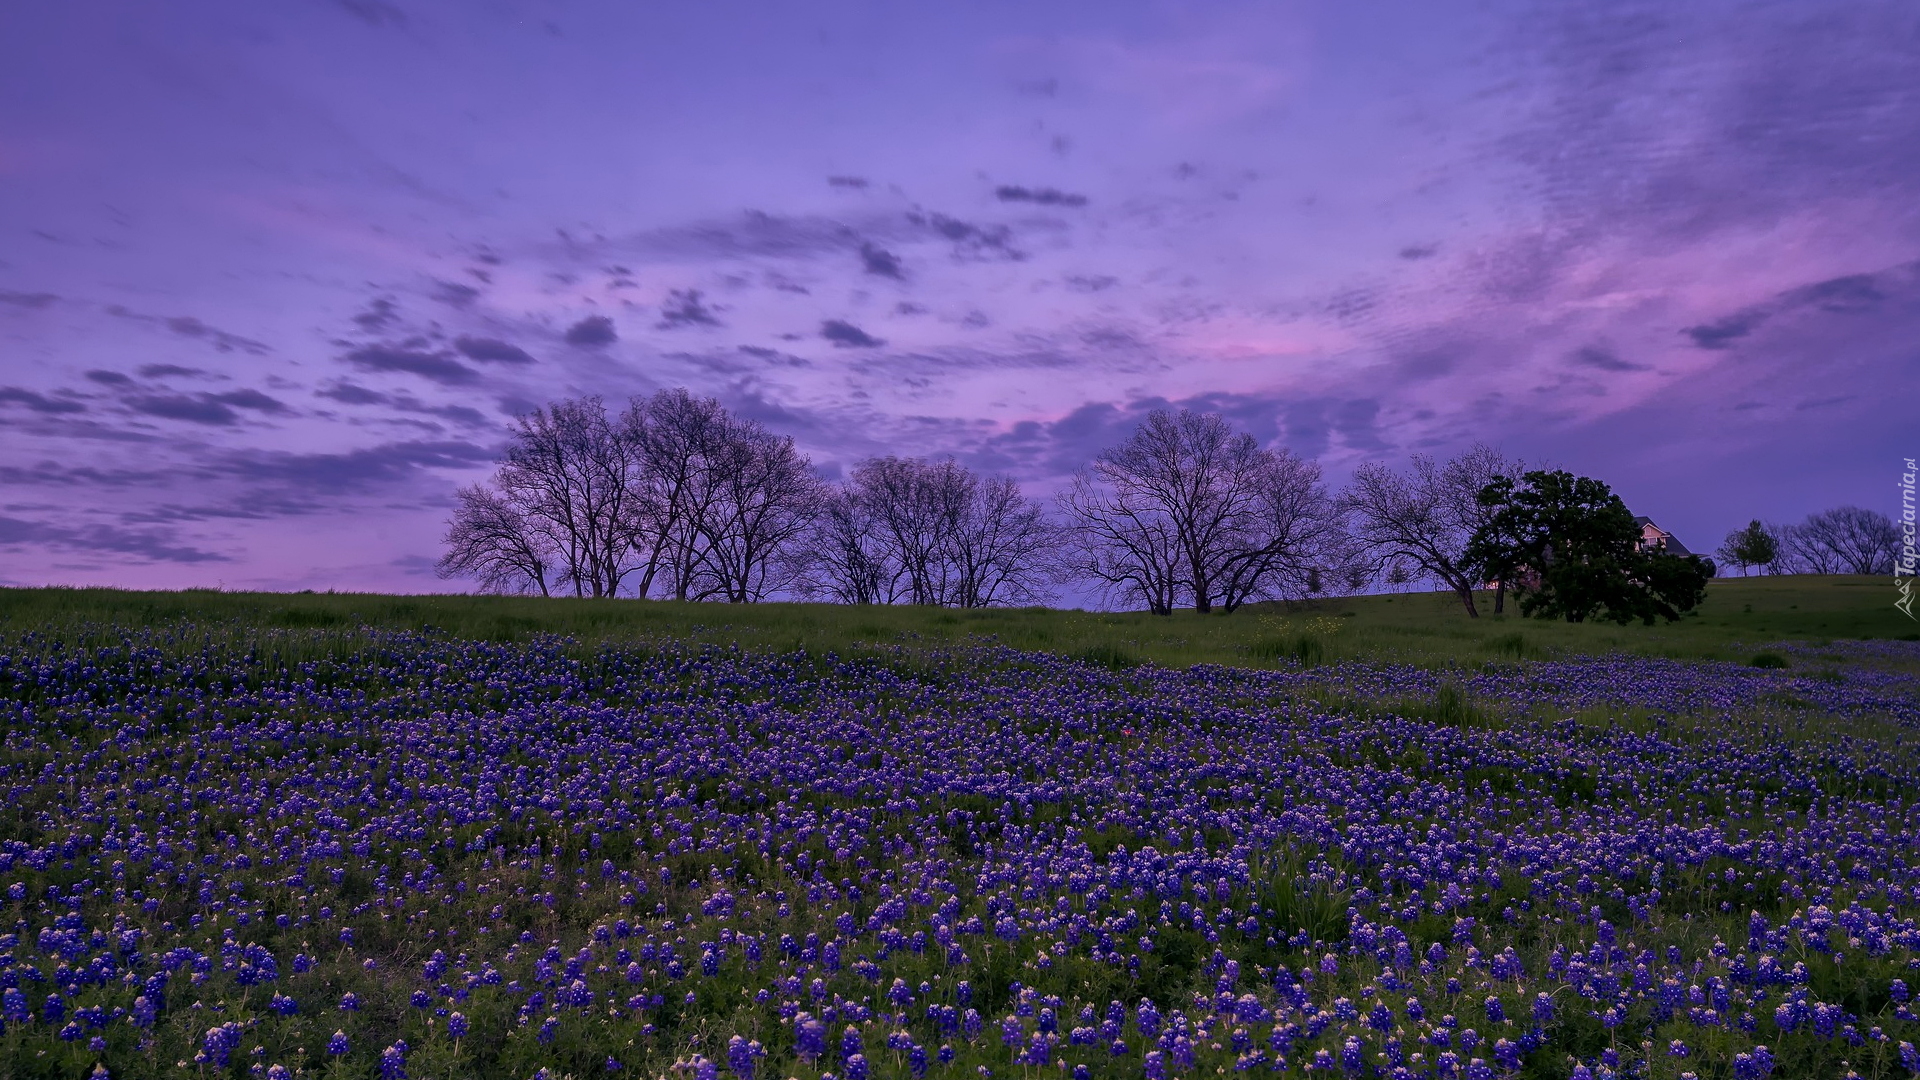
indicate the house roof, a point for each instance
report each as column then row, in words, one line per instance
column 1673, row 545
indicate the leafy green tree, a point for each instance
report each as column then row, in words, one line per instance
column 1754, row 545
column 1571, row 546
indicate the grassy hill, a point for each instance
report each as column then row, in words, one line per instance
column 1739, row 618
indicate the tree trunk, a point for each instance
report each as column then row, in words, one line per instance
column 1500, row 596
column 1466, row 598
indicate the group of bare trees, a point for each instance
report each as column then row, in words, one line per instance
column 901, row 530
column 674, row 492
column 1843, row 540
column 676, row 497
column 1189, row 511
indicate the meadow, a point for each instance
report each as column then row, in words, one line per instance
column 1740, row 616
column 352, row 836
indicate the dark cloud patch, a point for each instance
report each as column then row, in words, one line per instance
column 1723, row 333
column 347, row 393
column 375, row 13
column 908, row 307
column 1047, row 87
column 109, row 378
column 1851, row 294
column 380, row 314
column 1308, row 430
column 970, row 240
column 746, row 399
column 1855, row 292
column 855, row 182
column 685, row 308
column 194, row 409
column 775, row 356
column 881, row 262
column 1091, row 283
column 1603, row 359
column 190, row 327
column 145, row 545
column 53, row 474
column 250, row 399
column 1043, row 196
column 459, row 414
column 1823, row 403
column 169, row 371
column 1110, row 338
column 1419, row 251
column 353, row 471
column 754, row 234
column 411, row 361
column 1431, row 361
column 40, row 403
column 847, row 335
column 491, row 351
column 27, row 300
column 592, row 332
column 1356, row 422
column 454, row 293
column 1063, row 446
column 513, row 405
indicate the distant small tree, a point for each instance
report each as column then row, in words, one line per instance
column 1577, row 543
column 1754, row 545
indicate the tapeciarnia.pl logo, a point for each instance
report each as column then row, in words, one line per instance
column 1903, row 566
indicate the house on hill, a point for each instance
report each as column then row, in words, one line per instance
column 1655, row 538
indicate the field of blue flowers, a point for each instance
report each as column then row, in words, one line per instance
column 333, row 853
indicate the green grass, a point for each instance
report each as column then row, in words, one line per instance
column 1739, row 617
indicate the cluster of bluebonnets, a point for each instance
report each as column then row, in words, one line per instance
column 372, row 854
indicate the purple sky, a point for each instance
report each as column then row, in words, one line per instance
column 273, row 277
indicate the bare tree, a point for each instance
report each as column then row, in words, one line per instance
column 767, row 496
column 919, row 532
column 1000, row 547
column 676, row 490
column 1188, row 508
column 560, row 507
column 677, row 438
column 1418, row 523
column 489, row 539
column 1293, row 540
column 1124, row 541
column 844, row 559
column 915, row 508
column 1844, row 540
column 1461, row 482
